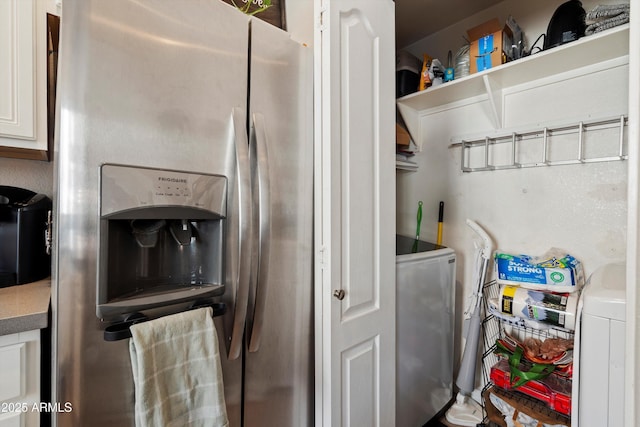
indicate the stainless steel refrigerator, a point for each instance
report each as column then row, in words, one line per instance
column 183, row 176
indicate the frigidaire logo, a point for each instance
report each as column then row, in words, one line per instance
column 167, row 179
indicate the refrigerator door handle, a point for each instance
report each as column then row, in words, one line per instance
column 241, row 277
column 263, row 222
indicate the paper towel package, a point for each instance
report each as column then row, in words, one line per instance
column 557, row 309
column 553, row 272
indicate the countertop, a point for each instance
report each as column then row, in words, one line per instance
column 25, row 307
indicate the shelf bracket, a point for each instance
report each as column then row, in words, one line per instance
column 411, row 119
column 495, row 100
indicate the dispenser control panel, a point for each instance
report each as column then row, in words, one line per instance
column 172, row 187
column 126, row 189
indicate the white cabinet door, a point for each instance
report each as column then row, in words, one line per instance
column 17, row 68
column 20, row 379
column 12, row 375
column 12, row 385
column 23, row 77
column 355, row 212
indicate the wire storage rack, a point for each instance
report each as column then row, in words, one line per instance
column 494, row 328
column 575, row 143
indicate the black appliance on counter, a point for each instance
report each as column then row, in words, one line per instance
column 24, row 253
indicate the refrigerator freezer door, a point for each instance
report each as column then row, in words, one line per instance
column 149, row 84
column 262, row 226
column 279, row 360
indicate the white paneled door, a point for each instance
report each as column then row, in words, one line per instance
column 355, row 212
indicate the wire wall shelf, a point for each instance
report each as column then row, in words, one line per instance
column 578, row 143
column 494, row 328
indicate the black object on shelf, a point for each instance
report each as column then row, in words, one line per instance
column 567, row 24
column 121, row 330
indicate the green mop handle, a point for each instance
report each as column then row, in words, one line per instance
column 419, row 219
column 414, row 248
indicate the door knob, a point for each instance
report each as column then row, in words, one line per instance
column 339, row 293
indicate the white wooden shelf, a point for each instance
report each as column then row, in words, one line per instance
column 588, row 50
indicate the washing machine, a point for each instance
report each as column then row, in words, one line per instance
column 425, row 309
column 601, row 350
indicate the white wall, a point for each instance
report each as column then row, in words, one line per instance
column 30, row 174
column 299, row 14
column 579, row 208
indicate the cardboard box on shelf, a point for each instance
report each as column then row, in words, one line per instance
column 485, row 51
column 402, row 136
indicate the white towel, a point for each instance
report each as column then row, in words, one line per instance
column 176, row 371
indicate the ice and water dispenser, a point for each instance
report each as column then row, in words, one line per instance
column 161, row 239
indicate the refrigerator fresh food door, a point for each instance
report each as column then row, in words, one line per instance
column 147, row 84
column 279, row 356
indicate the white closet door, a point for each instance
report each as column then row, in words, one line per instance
column 355, row 206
